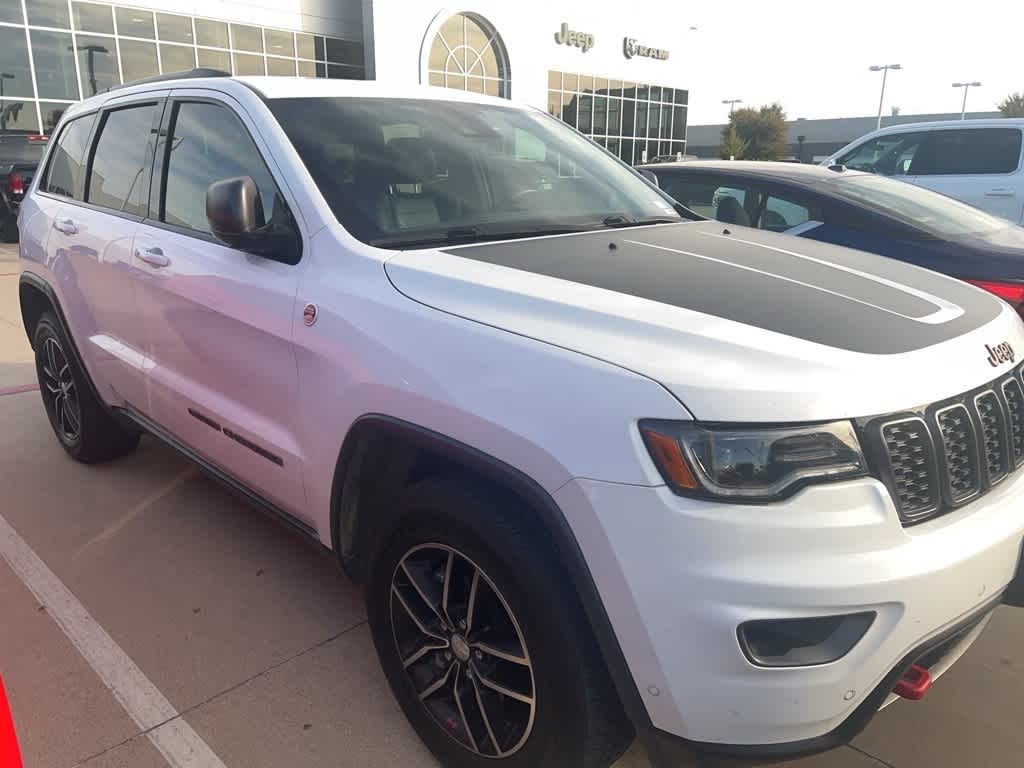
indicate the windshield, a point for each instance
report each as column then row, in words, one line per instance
column 413, row 172
column 937, row 214
column 18, row 149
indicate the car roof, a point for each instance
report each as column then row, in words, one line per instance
column 798, row 172
column 998, row 122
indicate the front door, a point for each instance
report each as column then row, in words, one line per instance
column 224, row 378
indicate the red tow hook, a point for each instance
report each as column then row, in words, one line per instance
column 914, row 684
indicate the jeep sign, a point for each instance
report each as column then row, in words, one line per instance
column 582, row 40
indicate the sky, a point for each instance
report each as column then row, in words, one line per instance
column 813, row 57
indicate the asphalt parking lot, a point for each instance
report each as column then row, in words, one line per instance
column 257, row 643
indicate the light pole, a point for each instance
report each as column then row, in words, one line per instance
column 884, row 69
column 92, row 50
column 732, row 103
column 966, row 87
column 3, row 114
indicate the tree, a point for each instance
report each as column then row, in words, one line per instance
column 733, row 147
column 762, row 132
column 1013, row 105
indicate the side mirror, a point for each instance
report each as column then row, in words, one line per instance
column 649, row 175
column 235, row 212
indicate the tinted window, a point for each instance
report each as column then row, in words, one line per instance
column 889, row 155
column 968, row 151
column 779, row 214
column 66, row 174
column 118, row 175
column 920, row 208
column 208, row 144
column 411, row 168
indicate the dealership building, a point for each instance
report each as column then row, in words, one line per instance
column 617, row 80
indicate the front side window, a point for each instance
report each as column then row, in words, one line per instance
column 779, row 214
column 410, row 168
column 66, row 174
column 208, row 144
column 121, row 160
column 919, row 208
column 889, row 155
column 968, row 151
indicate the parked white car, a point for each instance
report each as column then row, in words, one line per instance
column 976, row 161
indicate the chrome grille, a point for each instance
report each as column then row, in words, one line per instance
column 961, row 451
column 912, row 464
column 946, row 454
column 1014, row 397
column 993, row 436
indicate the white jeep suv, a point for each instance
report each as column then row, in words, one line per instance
column 603, row 466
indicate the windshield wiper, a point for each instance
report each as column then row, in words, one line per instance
column 618, row 220
column 471, row 234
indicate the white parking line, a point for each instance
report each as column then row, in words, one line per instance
column 181, row 746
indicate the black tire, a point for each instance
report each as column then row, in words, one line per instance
column 86, row 429
column 576, row 720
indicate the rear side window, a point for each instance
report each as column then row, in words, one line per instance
column 780, row 214
column 208, row 144
column 66, row 175
column 968, row 151
column 119, row 175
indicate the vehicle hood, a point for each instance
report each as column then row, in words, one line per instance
column 740, row 325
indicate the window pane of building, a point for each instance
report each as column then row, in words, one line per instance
column 10, row 11
column 173, row 29
column 341, row 72
column 48, row 13
column 321, row 70
column 117, row 178
column 97, row 64
column 212, row 33
column 66, row 174
column 554, row 80
column 280, row 43
column 344, row 51
column 437, row 79
column 493, row 87
column 570, row 82
column 321, row 53
column 90, row 17
column 177, row 58
column 51, row 112
column 18, row 116
column 211, row 145
column 132, row 22
column 15, row 76
column 248, row 64
column 679, row 123
column 614, row 108
column 585, row 113
column 304, row 46
column 138, row 60
column 55, row 65
column 215, row 59
column 569, row 108
column 600, row 115
column 280, row 67
column 245, row 38
column 307, row 69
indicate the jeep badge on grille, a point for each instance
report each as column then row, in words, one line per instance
column 1001, row 353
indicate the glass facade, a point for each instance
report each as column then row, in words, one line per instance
column 636, row 121
column 55, row 52
column 468, row 54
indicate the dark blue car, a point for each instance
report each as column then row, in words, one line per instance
column 858, row 210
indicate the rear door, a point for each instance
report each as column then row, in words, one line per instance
column 100, row 173
column 224, row 380
column 980, row 166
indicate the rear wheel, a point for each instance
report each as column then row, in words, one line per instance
column 483, row 642
column 88, row 432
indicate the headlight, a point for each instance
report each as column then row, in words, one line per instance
column 752, row 464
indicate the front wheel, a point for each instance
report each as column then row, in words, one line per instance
column 484, row 644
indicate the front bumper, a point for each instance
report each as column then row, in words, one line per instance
column 678, row 576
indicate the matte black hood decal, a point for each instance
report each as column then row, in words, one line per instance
column 826, row 294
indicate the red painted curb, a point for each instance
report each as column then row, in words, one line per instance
column 17, row 391
column 10, row 756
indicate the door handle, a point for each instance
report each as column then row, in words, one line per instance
column 1000, row 193
column 67, row 226
column 152, row 256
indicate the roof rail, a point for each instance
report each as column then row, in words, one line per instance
column 186, row 75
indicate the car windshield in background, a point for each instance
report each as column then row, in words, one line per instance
column 937, row 214
column 18, row 149
column 416, row 172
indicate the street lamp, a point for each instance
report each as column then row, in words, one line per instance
column 732, row 103
column 3, row 114
column 966, row 87
column 884, row 69
column 92, row 50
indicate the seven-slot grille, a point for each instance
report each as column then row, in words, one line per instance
column 951, row 452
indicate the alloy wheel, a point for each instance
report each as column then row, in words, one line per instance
column 463, row 650
column 60, row 391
